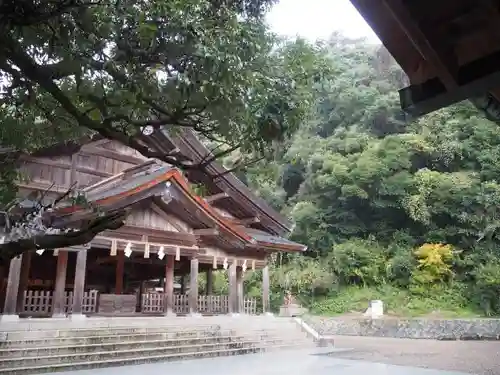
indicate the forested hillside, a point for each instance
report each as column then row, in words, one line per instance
column 401, row 210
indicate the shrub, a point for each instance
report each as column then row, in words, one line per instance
column 358, row 262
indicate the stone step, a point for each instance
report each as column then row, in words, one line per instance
column 152, row 334
column 143, row 358
column 179, row 351
column 95, row 322
column 86, row 347
column 35, row 332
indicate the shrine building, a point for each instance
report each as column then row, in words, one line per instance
column 172, row 234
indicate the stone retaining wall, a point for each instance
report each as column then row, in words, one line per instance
column 440, row 329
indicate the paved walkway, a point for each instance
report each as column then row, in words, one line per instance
column 473, row 357
column 293, row 362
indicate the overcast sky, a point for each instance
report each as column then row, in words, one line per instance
column 316, row 19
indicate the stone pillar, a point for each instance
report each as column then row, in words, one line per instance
column 60, row 285
column 265, row 290
column 120, row 266
column 23, row 279
column 209, row 289
column 233, row 292
column 9, row 310
column 169, row 285
column 79, row 284
column 193, row 287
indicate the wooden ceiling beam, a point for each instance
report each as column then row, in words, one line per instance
column 216, row 197
column 444, row 64
column 475, row 79
column 98, row 151
column 246, row 221
column 206, row 232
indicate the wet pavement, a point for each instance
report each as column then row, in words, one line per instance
column 473, row 357
column 290, row 362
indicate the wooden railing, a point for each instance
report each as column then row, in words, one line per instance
column 250, row 306
column 154, row 303
column 213, row 304
column 181, row 304
column 39, row 302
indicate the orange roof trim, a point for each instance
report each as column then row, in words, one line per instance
column 180, row 180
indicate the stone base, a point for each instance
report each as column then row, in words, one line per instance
column 170, row 314
column 78, row 317
column 195, row 315
column 59, row 316
column 292, row 310
column 235, row 314
column 268, row 314
column 11, row 318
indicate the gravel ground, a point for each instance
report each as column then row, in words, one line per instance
column 474, row 357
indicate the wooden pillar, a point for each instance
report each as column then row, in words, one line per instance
column 193, row 287
column 183, row 284
column 23, row 279
column 265, row 290
column 12, row 286
column 233, row 292
column 120, row 266
column 60, row 285
column 79, row 284
column 209, row 290
column 3, row 285
column 239, row 290
column 169, row 285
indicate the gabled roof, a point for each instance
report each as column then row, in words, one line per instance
column 240, row 197
column 274, row 242
column 190, row 145
column 148, row 183
column 122, row 191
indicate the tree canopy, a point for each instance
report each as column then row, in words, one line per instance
column 382, row 200
column 121, row 69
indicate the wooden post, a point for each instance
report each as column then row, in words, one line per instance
column 23, row 279
column 265, row 290
column 193, row 287
column 12, row 286
column 120, row 265
column 239, row 291
column 233, row 292
column 183, row 284
column 169, row 285
column 58, row 301
column 209, row 290
column 79, row 284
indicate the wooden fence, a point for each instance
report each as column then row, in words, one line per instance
column 154, row 303
column 40, row 302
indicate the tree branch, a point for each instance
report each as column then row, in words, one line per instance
column 82, row 236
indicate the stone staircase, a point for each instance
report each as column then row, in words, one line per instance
column 49, row 346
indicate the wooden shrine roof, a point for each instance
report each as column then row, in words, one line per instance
column 270, row 241
column 238, row 199
column 149, row 180
column 227, row 191
column 450, row 49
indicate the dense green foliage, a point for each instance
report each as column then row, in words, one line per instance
column 405, row 211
